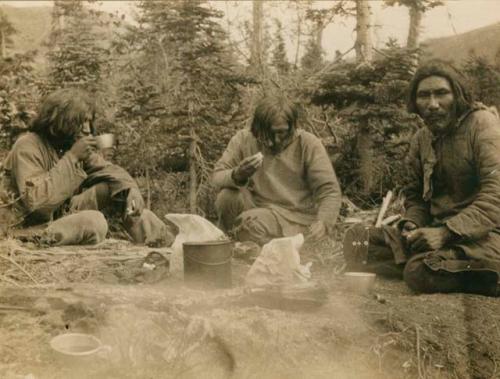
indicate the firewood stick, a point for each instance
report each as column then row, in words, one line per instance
column 383, row 209
column 390, row 219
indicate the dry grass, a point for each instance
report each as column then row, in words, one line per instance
column 112, row 261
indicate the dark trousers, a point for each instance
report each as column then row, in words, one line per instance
column 445, row 270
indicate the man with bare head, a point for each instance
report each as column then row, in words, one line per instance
column 54, row 170
column 449, row 238
column 276, row 180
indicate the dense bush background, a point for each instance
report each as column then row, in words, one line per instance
column 174, row 88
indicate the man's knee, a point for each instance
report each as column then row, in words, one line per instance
column 258, row 225
column 228, row 198
column 97, row 197
column 421, row 278
column 230, row 203
column 416, row 274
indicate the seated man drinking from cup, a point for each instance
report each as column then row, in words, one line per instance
column 54, row 172
column 276, row 180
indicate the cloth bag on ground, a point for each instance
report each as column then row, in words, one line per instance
column 279, row 263
column 192, row 228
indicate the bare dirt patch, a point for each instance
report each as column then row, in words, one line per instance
column 165, row 330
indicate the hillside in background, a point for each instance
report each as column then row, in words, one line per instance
column 482, row 42
column 33, row 26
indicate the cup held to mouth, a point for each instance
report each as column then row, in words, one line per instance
column 105, row 141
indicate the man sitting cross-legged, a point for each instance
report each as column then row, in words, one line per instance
column 53, row 172
column 449, row 238
column 276, row 180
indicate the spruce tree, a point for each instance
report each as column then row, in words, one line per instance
column 181, row 89
column 279, row 59
column 79, row 55
column 313, row 57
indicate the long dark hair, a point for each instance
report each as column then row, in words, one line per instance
column 270, row 110
column 62, row 114
column 462, row 95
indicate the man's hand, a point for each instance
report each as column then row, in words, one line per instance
column 135, row 202
column 247, row 168
column 83, row 147
column 428, row 239
column 317, row 231
column 408, row 226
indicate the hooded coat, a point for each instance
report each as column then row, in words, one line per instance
column 455, row 181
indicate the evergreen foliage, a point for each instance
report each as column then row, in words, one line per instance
column 18, row 89
column 19, row 97
column 179, row 99
column 176, row 93
column 421, row 5
column 371, row 101
column 279, row 58
column 484, row 79
column 79, row 55
column 313, row 58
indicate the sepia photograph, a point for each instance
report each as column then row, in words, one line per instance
column 250, row 189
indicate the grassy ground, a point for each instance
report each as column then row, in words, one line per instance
column 166, row 330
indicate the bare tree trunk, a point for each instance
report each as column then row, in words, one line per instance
column 148, row 189
column 193, row 176
column 363, row 45
column 365, row 152
column 320, row 27
column 297, row 47
column 256, row 53
column 414, row 29
column 3, row 43
column 57, row 22
column 413, row 40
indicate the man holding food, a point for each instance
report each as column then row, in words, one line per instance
column 276, row 180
